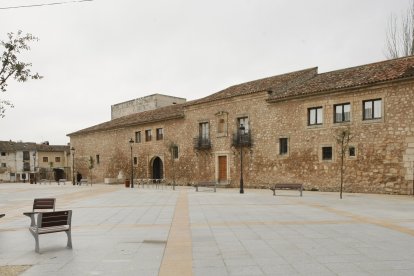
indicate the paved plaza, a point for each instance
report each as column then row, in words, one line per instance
column 120, row 231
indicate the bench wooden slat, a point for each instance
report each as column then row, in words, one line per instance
column 44, row 203
column 289, row 186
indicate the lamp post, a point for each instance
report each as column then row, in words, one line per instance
column 34, row 167
column 72, row 149
column 131, row 142
column 242, row 128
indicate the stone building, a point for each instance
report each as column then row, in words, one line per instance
column 143, row 104
column 22, row 161
column 287, row 127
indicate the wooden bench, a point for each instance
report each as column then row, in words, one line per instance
column 62, row 181
column 52, row 222
column 287, row 186
column 40, row 204
column 83, row 181
column 206, row 184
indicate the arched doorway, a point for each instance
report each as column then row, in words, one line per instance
column 157, row 168
column 59, row 174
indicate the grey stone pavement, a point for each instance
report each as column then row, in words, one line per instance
column 120, row 231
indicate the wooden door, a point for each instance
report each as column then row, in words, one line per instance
column 222, row 175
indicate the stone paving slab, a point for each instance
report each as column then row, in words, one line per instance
column 119, row 231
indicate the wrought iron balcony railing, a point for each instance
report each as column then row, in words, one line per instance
column 202, row 143
column 244, row 140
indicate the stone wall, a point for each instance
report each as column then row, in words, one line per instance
column 384, row 147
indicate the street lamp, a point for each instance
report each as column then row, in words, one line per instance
column 72, row 149
column 34, row 167
column 131, row 142
column 242, row 129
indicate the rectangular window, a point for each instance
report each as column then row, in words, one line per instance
column 372, row 109
column 135, row 160
column 315, row 116
column 57, row 159
column 3, row 165
column 326, row 153
column 283, row 146
column 97, row 159
column 204, row 131
column 26, row 166
column 160, row 133
column 352, row 151
column 3, row 153
column 148, row 135
column 45, row 159
column 138, row 137
column 243, row 121
column 342, row 113
column 26, row 155
column 175, row 152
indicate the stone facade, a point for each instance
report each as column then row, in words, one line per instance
column 24, row 161
column 283, row 146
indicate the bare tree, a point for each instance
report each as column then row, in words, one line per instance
column 400, row 34
column 11, row 66
column 343, row 137
column 91, row 165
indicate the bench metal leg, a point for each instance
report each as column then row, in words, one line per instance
column 36, row 237
column 68, row 233
column 301, row 192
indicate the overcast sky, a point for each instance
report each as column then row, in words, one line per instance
column 96, row 54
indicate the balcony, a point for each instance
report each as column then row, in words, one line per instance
column 242, row 140
column 202, row 143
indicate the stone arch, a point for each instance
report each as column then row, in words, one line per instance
column 157, row 168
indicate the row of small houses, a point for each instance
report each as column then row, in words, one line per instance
column 300, row 127
column 22, row 161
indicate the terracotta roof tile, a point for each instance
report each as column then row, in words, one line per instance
column 350, row 77
column 10, row 146
column 253, row 86
column 156, row 115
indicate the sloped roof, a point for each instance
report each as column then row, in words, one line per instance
column 156, row 115
column 177, row 111
column 282, row 87
column 348, row 78
column 10, row 146
column 254, row 86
